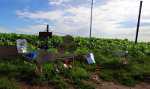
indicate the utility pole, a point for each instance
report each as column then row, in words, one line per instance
column 138, row 23
column 91, row 19
column 91, row 23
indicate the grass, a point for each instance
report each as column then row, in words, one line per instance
column 113, row 70
column 5, row 83
column 107, row 55
column 78, row 73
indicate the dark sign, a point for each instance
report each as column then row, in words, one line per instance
column 45, row 35
column 8, row 51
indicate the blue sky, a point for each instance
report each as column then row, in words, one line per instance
column 112, row 18
column 8, row 10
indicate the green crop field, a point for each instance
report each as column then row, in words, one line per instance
column 109, row 56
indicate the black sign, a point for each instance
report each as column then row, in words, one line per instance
column 8, row 51
column 45, row 35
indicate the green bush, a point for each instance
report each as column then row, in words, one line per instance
column 136, row 69
column 81, row 51
column 39, row 80
column 124, row 77
column 48, row 70
column 53, row 50
column 127, row 80
column 48, row 67
column 100, row 59
column 7, row 84
column 78, row 73
column 91, row 68
column 81, row 85
column 113, row 63
column 106, row 74
column 25, row 70
column 60, row 84
column 7, row 67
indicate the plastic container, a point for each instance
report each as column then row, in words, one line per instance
column 90, row 58
column 31, row 55
column 21, row 46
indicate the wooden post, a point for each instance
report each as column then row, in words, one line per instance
column 138, row 23
column 47, row 28
column 47, row 37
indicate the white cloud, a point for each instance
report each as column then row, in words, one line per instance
column 32, row 29
column 107, row 19
column 57, row 2
column 4, row 30
column 54, row 15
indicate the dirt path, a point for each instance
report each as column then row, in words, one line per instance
column 111, row 85
column 26, row 86
column 102, row 85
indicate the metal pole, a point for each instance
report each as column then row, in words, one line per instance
column 91, row 19
column 47, row 37
column 138, row 23
column 91, row 23
column 47, row 29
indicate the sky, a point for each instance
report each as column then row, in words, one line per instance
column 111, row 18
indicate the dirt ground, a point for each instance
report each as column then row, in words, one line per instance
column 111, row 85
column 102, row 85
column 25, row 86
column 95, row 81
